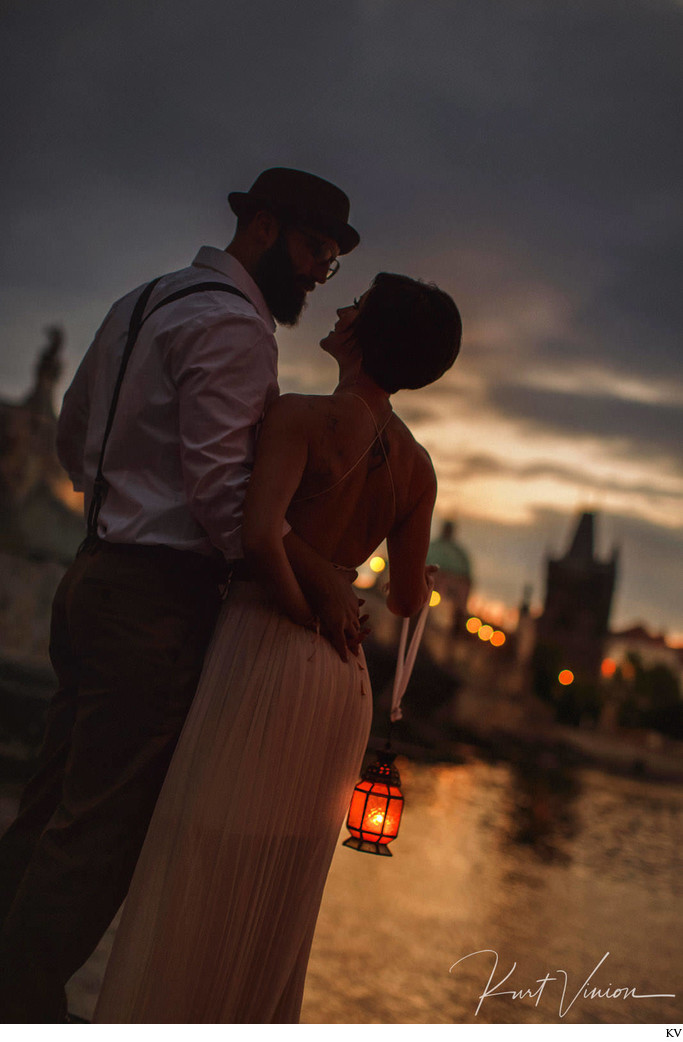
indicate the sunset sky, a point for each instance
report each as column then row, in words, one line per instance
column 524, row 155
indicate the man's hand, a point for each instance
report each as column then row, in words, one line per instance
column 336, row 605
column 330, row 594
column 364, row 631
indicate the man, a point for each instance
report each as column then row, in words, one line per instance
column 164, row 470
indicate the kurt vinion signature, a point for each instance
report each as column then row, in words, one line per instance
column 585, row 990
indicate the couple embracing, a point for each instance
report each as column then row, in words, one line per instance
column 196, row 735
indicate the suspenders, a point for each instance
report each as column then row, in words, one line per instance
column 136, row 322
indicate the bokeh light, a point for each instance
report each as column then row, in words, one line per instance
column 608, row 667
column 485, row 632
column 566, row 677
column 378, row 564
column 434, row 599
column 473, row 625
column 498, row 638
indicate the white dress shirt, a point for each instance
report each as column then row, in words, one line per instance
column 202, row 373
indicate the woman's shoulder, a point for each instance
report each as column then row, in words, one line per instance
column 312, row 413
column 291, row 402
column 291, row 408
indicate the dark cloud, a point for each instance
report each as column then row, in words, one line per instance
column 131, row 119
column 638, row 315
column 550, row 124
column 638, row 429
column 482, row 465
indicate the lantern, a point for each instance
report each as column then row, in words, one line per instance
column 376, row 807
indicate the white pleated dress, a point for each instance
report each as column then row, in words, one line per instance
column 220, row 916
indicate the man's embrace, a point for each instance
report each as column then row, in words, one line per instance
column 158, row 429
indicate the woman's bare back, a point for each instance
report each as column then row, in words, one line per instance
column 356, row 487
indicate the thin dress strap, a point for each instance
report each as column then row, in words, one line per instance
column 378, row 430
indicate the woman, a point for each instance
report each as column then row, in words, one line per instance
column 221, row 912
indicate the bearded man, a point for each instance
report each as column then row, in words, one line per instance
column 158, row 430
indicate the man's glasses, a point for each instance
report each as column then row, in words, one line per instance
column 321, row 251
column 333, row 268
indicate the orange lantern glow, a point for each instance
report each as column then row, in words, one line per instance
column 376, row 808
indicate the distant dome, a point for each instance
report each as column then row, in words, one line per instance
column 448, row 554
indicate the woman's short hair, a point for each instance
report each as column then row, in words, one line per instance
column 408, row 332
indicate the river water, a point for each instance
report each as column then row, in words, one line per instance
column 549, row 869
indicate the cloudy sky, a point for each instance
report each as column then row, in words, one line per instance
column 524, row 154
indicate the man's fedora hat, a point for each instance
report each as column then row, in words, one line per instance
column 300, row 198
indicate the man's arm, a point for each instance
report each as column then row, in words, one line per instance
column 225, row 372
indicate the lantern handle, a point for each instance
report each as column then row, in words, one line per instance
column 406, row 660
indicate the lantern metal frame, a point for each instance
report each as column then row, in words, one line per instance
column 381, row 773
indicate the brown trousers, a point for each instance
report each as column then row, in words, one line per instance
column 130, row 626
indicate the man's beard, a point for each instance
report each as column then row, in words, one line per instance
column 283, row 289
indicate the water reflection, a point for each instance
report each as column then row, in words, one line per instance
column 548, row 866
column 542, row 808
